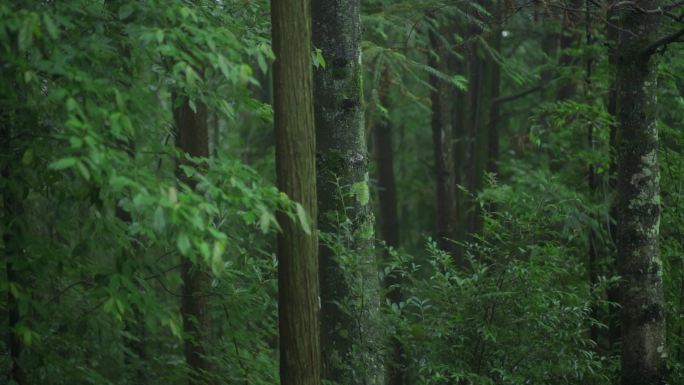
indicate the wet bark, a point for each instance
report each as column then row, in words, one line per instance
column 298, row 284
column 638, row 202
column 348, row 337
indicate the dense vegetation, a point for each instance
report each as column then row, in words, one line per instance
column 342, row 192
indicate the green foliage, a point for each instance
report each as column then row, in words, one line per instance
column 505, row 318
column 98, row 208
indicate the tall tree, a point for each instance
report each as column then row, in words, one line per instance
column 442, row 146
column 298, row 285
column 343, row 195
column 192, row 138
column 495, row 41
column 389, row 220
column 613, row 293
column 483, row 90
column 384, row 159
column 638, row 199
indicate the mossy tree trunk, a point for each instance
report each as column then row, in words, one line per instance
column 442, row 147
column 349, row 297
column 638, row 201
column 298, row 285
column 192, row 138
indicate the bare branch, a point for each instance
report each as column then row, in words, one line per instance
column 662, row 42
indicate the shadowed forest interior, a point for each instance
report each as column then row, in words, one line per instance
column 321, row 192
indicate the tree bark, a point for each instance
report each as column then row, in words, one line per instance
column 193, row 139
column 592, row 183
column 384, row 159
column 389, row 222
column 495, row 92
column 442, row 148
column 613, row 293
column 638, row 202
column 347, row 332
column 298, row 285
column 460, row 137
column 476, row 134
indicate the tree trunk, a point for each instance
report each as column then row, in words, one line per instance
column 592, row 183
column 298, row 285
column 459, row 134
column 613, row 294
column 495, row 92
column 348, row 336
column 193, row 139
column 442, row 147
column 384, row 159
column 638, row 202
column 475, row 134
column 389, row 222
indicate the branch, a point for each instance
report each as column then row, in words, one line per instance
column 508, row 98
column 662, row 42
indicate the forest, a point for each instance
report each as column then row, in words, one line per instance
column 342, row 192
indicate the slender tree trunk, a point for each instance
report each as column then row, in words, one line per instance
column 484, row 82
column 638, row 202
column 475, row 134
column 495, row 92
column 592, row 183
column 613, row 293
column 388, row 221
column 384, row 159
column 460, row 137
column 347, row 334
column 442, row 148
column 298, row 284
column 193, row 139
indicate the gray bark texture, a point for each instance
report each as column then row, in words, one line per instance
column 638, row 201
column 349, row 296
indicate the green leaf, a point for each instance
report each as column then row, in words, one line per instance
column 159, row 35
column 217, row 258
column 158, row 220
column 183, row 244
column 303, row 218
column 125, row 11
column 223, row 66
column 261, row 61
column 318, row 59
column 50, row 26
column 63, row 163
